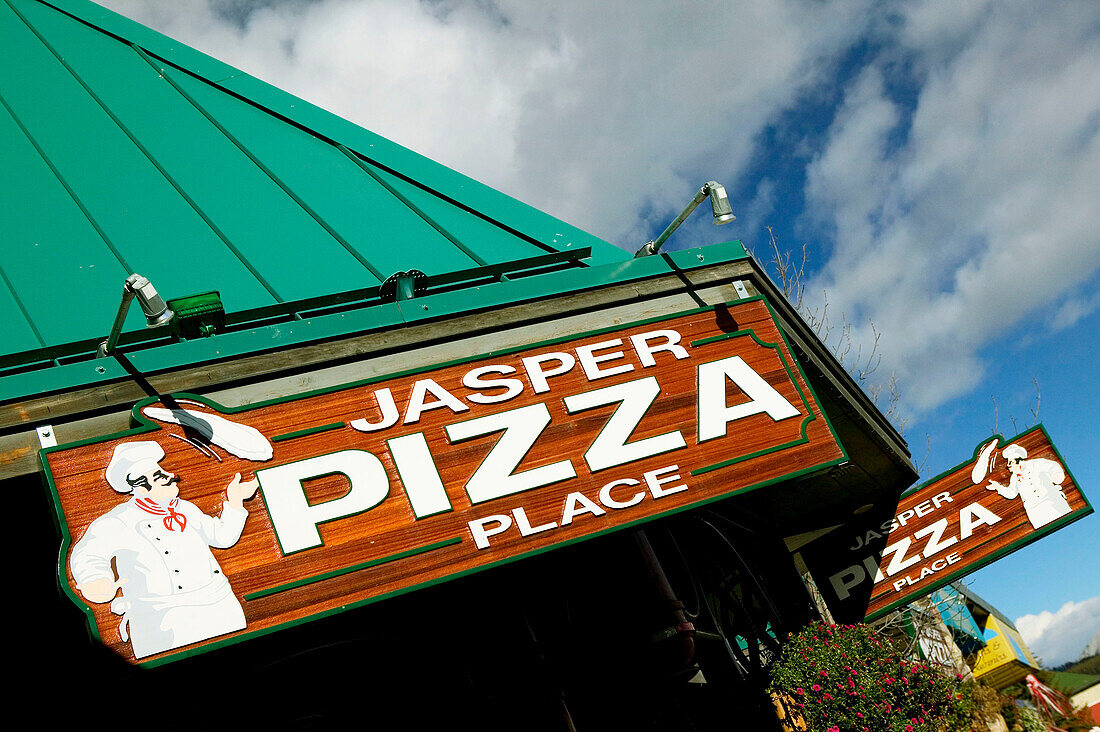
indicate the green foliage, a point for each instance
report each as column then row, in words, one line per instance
column 1030, row 720
column 1090, row 665
column 847, row 678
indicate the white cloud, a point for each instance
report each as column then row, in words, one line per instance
column 1061, row 636
column 589, row 111
column 986, row 212
column 955, row 214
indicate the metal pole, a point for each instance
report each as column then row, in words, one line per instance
column 652, row 247
column 120, row 318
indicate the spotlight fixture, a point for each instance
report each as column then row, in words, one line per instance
column 152, row 304
column 720, row 207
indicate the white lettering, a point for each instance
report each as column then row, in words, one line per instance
column 610, row 447
column 416, row 467
column 872, row 566
column 591, row 362
column 443, row 398
column 845, row 580
column 898, row 562
column 607, row 500
column 473, row 380
column 654, row 480
column 934, row 532
column 575, row 505
column 388, row 409
column 538, row 376
column 496, row 476
column 645, row 350
column 973, row 516
column 480, row 532
column 295, row 521
column 524, row 525
column 714, row 415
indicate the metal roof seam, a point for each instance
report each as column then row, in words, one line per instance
column 186, row 166
column 193, row 203
column 15, row 295
column 372, row 162
column 436, row 178
column 364, row 161
column 45, row 158
column 76, row 201
column 21, row 306
column 266, row 170
column 145, row 152
column 355, row 158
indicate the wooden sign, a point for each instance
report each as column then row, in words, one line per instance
column 383, row 486
column 1008, row 495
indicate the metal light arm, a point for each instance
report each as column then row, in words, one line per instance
column 719, row 204
column 152, row 304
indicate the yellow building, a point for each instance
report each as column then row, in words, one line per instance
column 1006, row 659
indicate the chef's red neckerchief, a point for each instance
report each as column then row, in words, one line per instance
column 170, row 514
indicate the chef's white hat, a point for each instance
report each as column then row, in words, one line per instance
column 132, row 458
column 1014, row 451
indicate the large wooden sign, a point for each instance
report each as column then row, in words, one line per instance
column 1011, row 493
column 203, row 525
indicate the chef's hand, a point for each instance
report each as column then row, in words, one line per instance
column 101, row 590
column 238, row 491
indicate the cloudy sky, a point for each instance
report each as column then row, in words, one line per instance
column 939, row 160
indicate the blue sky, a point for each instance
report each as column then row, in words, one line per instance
column 940, row 161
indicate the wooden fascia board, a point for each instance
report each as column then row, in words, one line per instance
column 822, row 360
column 89, row 410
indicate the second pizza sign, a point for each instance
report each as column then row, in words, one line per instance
column 205, row 525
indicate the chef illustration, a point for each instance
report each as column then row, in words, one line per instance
column 173, row 590
column 1038, row 482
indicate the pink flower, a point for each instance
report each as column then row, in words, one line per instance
column 908, row 728
column 798, row 690
column 816, row 687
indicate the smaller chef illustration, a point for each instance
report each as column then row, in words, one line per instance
column 1037, row 482
column 173, row 590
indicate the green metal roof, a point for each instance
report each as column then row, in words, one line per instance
column 124, row 151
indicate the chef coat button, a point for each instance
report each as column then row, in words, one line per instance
column 217, row 571
column 176, row 571
column 179, row 587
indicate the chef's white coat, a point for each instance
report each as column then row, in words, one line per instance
column 176, row 593
column 1039, row 485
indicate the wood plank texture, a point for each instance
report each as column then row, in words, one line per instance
column 388, row 550
column 952, row 525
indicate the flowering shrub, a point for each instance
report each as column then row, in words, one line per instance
column 846, row 678
column 1028, row 719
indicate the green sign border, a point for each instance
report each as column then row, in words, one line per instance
column 144, row 425
column 1034, row 536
